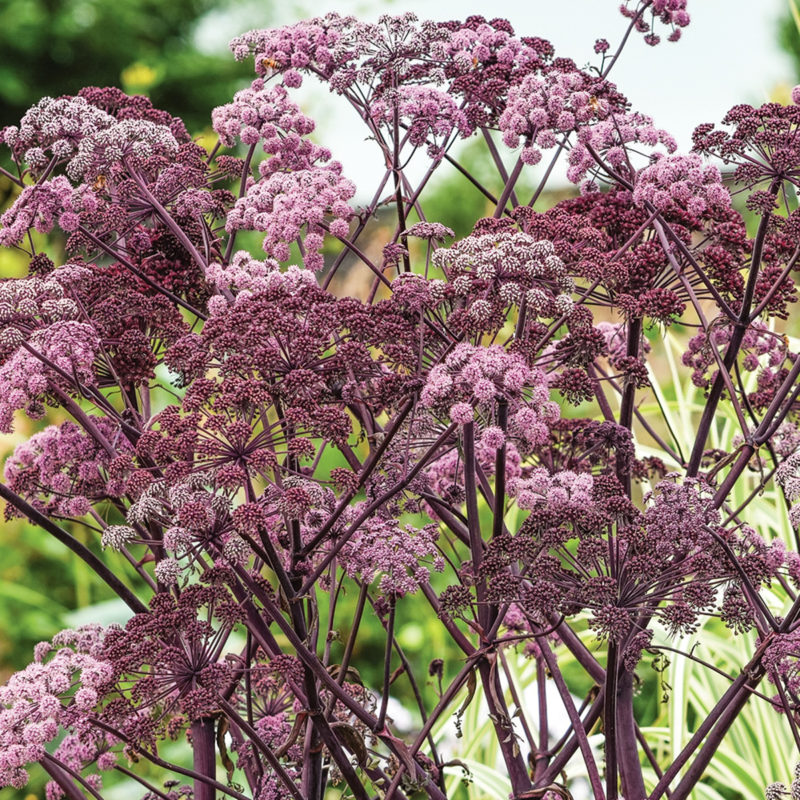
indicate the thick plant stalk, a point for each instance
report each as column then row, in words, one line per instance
column 610, row 722
column 630, row 768
column 204, row 757
column 62, row 779
column 503, row 726
column 473, row 521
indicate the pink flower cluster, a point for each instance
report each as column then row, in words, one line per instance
column 54, row 128
column 446, row 475
column 415, row 293
column 62, row 470
column 402, row 555
column 431, row 116
column 560, row 489
column 24, row 302
column 283, row 203
column 468, row 45
column 321, row 43
column 483, row 59
column 542, row 109
column 244, row 273
column 473, row 377
column 609, row 137
column 342, row 50
column 683, row 182
column 494, row 270
column 43, row 205
column 193, row 202
column 479, row 60
column 430, row 230
column 70, row 346
column 33, row 711
column 194, row 517
column 761, row 349
column 677, row 516
column 266, row 114
column 136, row 140
column 668, row 12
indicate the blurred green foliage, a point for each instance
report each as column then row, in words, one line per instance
column 54, row 47
column 789, row 33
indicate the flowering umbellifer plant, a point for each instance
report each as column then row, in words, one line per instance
column 260, row 449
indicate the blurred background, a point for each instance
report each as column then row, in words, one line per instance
column 176, row 52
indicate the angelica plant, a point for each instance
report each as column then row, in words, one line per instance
column 467, row 438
